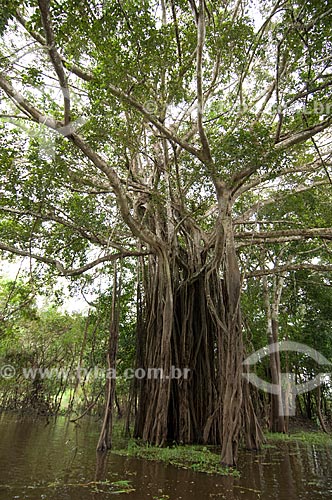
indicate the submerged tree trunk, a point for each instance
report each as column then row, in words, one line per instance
column 277, row 420
column 319, row 409
column 105, row 437
column 232, row 354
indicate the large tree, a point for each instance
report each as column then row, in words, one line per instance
column 197, row 116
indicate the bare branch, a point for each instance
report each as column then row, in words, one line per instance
column 310, row 167
column 290, row 267
column 278, row 196
column 194, row 10
column 176, row 26
column 80, row 72
column 23, row 104
column 199, row 68
column 304, row 135
column 307, row 92
column 282, row 235
column 44, row 7
column 17, row 117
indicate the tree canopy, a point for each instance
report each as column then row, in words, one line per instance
column 191, row 135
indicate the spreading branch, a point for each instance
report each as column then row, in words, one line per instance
column 51, row 216
column 61, row 268
column 290, row 267
column 117, row 92
column 307, row 168
column 299, row 137
column 277, row 197
column 144, row 234
column 245, row 238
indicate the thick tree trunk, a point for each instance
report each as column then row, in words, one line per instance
column 232, row 354
column 193, row 320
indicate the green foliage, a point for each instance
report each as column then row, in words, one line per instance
column 32, row 339
column 197, row 458
column 317, row 438
column 261, row 84
column 64, row 207
column 7, row 8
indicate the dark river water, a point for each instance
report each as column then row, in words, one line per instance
column 57, row 461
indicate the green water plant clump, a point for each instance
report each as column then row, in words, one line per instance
column 311, row 437
column 195, row 457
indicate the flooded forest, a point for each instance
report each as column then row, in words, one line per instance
column 165, row 245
